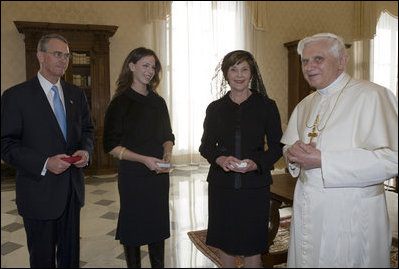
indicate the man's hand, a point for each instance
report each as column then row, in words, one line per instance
column 82, row 162
column 56, row 165
column 306, row 155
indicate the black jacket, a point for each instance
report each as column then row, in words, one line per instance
column 30, row 134
column 240, row 130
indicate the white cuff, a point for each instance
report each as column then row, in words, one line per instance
column 87, row 155
column 44, row 171
column 294, row 169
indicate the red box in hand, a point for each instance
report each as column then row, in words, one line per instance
column 72, row 159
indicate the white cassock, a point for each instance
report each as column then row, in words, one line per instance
column 340, row 216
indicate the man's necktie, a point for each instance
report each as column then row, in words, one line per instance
column 59, row 111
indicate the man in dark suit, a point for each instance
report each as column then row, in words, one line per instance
column 37, row 134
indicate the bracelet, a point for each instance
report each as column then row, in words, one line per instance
column 121, row 153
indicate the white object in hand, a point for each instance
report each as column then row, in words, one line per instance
column 242, row 165
column 164, row 165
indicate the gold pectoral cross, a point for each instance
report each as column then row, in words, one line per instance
column 313, row 134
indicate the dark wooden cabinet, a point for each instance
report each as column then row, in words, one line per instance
column 298, row 88
column 88, row 68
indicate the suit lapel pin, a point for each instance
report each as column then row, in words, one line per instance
column 70, row 101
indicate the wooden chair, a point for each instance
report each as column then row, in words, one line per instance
column 281, row 191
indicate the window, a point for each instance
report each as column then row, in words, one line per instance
column 384, row 62
column 384, row 67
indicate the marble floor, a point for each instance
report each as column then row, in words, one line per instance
column 99, row 249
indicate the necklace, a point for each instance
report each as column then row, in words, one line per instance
column 316, row 122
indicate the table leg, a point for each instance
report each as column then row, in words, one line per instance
column 270, row 259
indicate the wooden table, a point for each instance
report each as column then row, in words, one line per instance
column 282, row 190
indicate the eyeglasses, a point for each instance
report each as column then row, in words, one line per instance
column 59, row 54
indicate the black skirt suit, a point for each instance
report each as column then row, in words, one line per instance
column 141, row 124
column 239, row 203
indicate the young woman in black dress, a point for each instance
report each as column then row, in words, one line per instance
column 236, row 127
column 138, row 132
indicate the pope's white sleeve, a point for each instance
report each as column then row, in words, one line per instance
column 358, row 167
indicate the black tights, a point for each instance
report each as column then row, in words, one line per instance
column 156, row 251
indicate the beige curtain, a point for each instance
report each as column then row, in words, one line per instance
column 362, row 59
column 157, row 10
column 366, row 18
column 158, row 15
column 258, row 11
column 160, row 10
column 367, row 14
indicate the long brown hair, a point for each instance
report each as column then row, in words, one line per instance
column 125, row 78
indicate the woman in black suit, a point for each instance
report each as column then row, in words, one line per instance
column 239, row 178
column 137, row 131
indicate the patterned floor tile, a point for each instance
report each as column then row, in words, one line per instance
column 9, row 247
column 110, row 215
column 13, row 212
column 104, row 202
column 12, row 227
column 99, row 192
